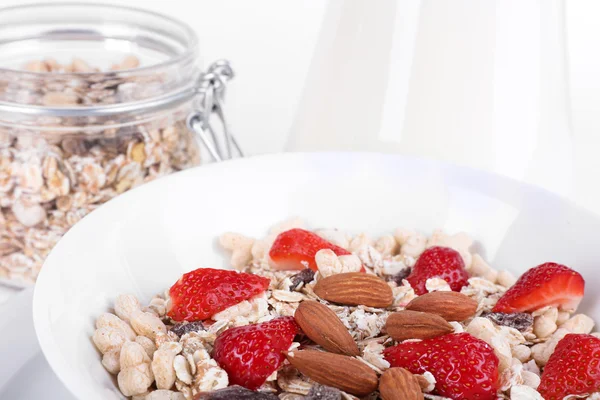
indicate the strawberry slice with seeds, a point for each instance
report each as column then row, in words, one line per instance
column 296, row 249
column 464, row 367
column 573, row 368
column 200, row 294
column 548, row 284
column 249, row 354
column 439, row 262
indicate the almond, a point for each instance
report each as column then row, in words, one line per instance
column 399, row 384
column 407, row 324
column 324, row 327
column 452, row 306
column 342, row 372
column 354, row 289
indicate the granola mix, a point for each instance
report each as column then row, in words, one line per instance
column 55, row 172
column 156, row 357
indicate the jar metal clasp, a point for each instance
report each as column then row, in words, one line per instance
column 210, row 96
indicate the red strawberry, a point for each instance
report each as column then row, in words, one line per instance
column 296, row 249
column 438, row 262
column 548, row 284
column 573, row 368
column 251, row 353
column 200, row 294
column 464, row 367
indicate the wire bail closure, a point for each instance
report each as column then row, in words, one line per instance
column 210, row 96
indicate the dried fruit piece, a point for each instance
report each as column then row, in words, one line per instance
column 573, row 368
column 355, row 288
column 181, row 328
column 296, row 249
column 439, row 262
column 342, row 372
column 408, row 324
column 324, row 327
column 548, row 284
column 518, row 321
column 249, row 354
column 400, row 276
column 399, row 384
column 200, row 294
column 302, row 278
column 451, row 306
column 235, row 392
column 464, row 367
column 320, row 392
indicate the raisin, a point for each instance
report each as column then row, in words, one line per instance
column 302, row 278
column 403, row 274
column 320, row 392
column 181, row 328
column 235, row 393
column 519, row 321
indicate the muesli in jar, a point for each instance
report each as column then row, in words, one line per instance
column 85, row 120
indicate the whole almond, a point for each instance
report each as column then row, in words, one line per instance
column 324, row 327
column 407, row 324
column 354, row 289
column 399, row 384
column 342, row 372
column 452, row 306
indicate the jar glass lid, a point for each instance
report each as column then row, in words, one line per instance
column 102, row 35
column 108, row 59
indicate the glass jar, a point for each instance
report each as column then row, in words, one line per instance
column 93, row 102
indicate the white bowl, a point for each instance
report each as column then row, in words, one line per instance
column 144, row 240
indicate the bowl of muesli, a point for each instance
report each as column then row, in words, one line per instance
column 325, row 276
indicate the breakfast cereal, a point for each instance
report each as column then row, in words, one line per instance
column 446, row 325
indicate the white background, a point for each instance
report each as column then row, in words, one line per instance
column 509, row 86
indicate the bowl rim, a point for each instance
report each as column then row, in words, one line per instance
column 41, row 291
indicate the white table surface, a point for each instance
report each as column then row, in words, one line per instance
column 471, row 82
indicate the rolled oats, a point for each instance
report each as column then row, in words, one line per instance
column 387, row 245
column 182, row 369
column 373, row 355
column 413, row 245
column 521, row 352
column 544, row 325
column 108, row 339
column 111, row 361
column 135, row 380
column 506, row 279
column 147, row 344
column 240, row 247
column 482, row 269
column 426, row 381
column 163, row 367
column 437, row 285
column 335, row 236
column 107, row 320
column 523, row 392
column 164, row 395
column 579, row 323
column 132, row 354
column 147, row 324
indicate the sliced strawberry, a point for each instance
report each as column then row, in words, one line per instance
column 295, row 250
column 549, row 284
column 249, row 354
column 200, row 294
column 573, row 368
column 439, row 262
column 464, row 367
